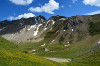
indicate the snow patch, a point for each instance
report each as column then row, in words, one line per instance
column 64, row 30
column 99, row 42
column 33, row 26
column 29, row 29
column 53, row 41
column 72, row 29
column 33, row 50
column 45, row 28
column 35, row 32
column 20, row 31
column 43, row 44
column 67, row 45
column 33, row 53
column 53, row 22
column 58, row 59
column 68, row 42
column 62, row 19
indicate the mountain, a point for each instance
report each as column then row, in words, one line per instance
column 59, row 28
column 76, row 38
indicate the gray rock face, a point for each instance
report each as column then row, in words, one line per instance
column 16, row 25
column 61, row 29
column 20, row 30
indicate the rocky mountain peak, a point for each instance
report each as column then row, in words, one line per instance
column 59, row 29
column 40, row 16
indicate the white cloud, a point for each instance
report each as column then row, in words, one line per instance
column 92, row 13
column 92, row 2
column 11, row 18
column 21, row 2
column 74, row 1
column 48, row 7
column 26, row 15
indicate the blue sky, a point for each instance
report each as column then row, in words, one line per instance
column 16, row 9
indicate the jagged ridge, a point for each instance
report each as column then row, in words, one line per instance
column 61, row 29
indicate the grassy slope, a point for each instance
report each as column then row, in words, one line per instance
column 89, row 53
column 11, row 55
column 85, row 49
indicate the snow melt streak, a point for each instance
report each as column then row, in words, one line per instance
column 35, row 32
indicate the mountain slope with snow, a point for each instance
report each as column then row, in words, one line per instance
column 59, row 28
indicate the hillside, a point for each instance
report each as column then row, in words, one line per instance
column 76, row 38
column 82, row 53
column 11, row 55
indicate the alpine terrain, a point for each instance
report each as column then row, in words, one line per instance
column 33, row 41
